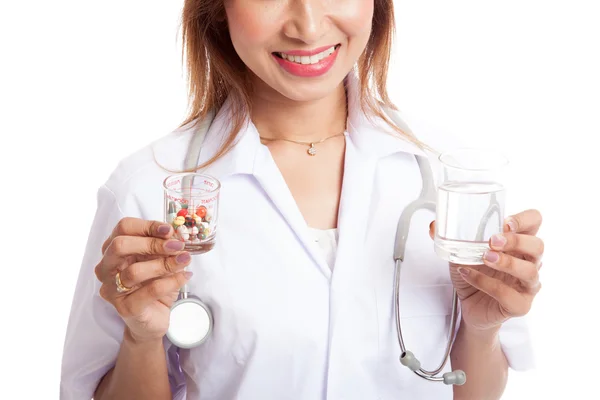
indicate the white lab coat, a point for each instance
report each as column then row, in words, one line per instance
column 286, row 326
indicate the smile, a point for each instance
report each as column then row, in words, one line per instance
column 307, row 59
column 308, row 63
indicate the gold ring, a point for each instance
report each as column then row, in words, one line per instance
column 120, row 287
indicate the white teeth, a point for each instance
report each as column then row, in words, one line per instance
column 309, row 59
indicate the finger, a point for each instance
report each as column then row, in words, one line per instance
column 432, row 229
column 527, row 222
column 530, row 247
column 138, row 227
column 106, row 270
column 125, row 250
column 135, row 303
column 138, row 273
column 124, row 246
column 525, row 271
column 513, row 302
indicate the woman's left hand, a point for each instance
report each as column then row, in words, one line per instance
column 505, row 285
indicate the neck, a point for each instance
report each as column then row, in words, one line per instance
column 277, row 117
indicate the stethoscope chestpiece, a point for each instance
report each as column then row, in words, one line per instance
column 190, row 323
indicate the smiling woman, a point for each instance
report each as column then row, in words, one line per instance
column 290, row 107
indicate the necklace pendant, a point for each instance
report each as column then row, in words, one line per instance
column 312, row 151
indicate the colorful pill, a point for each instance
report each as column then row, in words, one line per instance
column 183, row 232
column 189, row 222
column 179, row 221
column 197, row 219
column 201, row 211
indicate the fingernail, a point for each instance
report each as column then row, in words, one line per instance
column 188, row 274
column 498, row 241
column 512, row 224
column 175, row 245
column 492, row 256
column 183, row 258
column 164, row 229
column 464, row 271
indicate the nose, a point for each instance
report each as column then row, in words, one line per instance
column 307, row 20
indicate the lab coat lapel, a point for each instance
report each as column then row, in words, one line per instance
column 270, row 178
column 354, row 209
column 353, row 307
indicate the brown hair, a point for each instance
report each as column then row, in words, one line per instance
column 216, row 72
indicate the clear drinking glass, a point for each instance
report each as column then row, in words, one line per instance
column 192, row 208
column 470, row 204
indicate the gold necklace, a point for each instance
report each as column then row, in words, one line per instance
column 312, row 150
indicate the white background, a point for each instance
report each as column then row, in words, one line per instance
column 84, row 84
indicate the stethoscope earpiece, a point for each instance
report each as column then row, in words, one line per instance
column 457, row 377
column 409, row 360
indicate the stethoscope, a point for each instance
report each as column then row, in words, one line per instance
column 191, row 320
column 426, row 201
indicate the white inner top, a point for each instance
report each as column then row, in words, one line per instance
column 327, row 239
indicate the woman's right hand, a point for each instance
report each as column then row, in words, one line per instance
column 152, row 266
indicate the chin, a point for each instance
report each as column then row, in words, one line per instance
column 308, row 93
column 307, row 89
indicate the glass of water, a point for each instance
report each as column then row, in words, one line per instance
column 470, row 204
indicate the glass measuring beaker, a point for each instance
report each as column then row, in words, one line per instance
column 470, row 204
column 192, row 208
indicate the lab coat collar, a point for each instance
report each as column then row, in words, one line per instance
column 371, row 135
column 240, row 159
